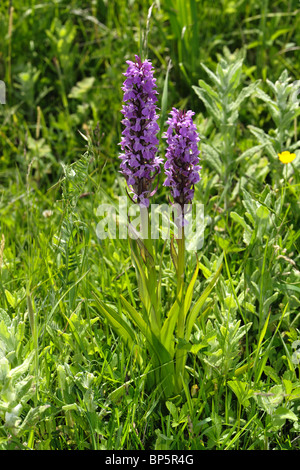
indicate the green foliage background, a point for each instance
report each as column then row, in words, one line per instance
column 66, row 380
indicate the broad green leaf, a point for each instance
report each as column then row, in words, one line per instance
column 269, row 301
column 235, row 72
column 211, row 75
column 10, row 299
column 247, row 229
column 241, row 370
column 272, row 105
column 263, row 212
column 22, row 368
column 287, row 287
column 210, row 105
column 270, row 372
column 5, row 317
column 250, row 204
column 81, row 88
column 209, row 90
column 33, row 416
column 265, row 97
column 284, row 413
column 295, row 394
column 189, row 347
column 250, row 152
column 212, row 157
column 205, row 271
column 223, row 243
column 264, row 139
column 241, row 391
column 247, row 91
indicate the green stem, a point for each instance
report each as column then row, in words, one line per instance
column 180, row 281
column 145, row 229
column 283, row 191
column 154, row 314
column 180, row 354
column 151, row 271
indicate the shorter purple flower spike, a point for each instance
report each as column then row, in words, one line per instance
column 182, row 157
column 139, row 143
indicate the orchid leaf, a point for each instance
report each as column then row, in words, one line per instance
column 136, row 317
column 199, row 304
column 122, row 328
column 167, row 330
column 142, row 280
column 190, row 290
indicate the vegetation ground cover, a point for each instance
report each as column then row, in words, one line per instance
column 67, row 381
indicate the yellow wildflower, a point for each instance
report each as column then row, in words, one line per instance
column 286, row 157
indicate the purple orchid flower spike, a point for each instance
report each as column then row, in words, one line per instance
column 182, row 158
column 140, row 164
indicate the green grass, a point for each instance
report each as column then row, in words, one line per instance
column 67, row 381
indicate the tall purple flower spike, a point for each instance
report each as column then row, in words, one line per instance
column 140, row 164
column 182, row 157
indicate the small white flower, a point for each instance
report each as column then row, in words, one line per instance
column 47, row 213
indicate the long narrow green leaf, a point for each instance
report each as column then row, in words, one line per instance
column 190, row 290
column 199, row 304
column 137, row 318
column 158, row 290
column 212, row 76
column 260, row 340
column 263, row 360
column 117, row 323
column 22, row 368
column 159, row 348
column 169, row 326
column 147, row 290
column 164, row 99
column 62, row 297
column 141, row 277
column 209, row 103
column 145, row 254
column 209, row 90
